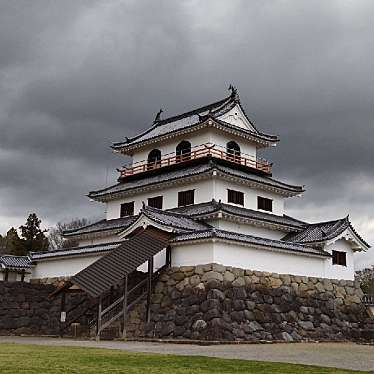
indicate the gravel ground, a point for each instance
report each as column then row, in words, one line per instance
column 340, row 355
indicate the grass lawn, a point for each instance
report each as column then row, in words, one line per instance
column 17, row 358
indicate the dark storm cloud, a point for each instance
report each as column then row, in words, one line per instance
column 76, row 75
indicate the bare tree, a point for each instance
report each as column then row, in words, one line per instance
column 56, row 239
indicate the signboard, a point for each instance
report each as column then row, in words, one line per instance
column 63, row 317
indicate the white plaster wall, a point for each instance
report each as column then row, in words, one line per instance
column 65, row 267
column 267, row 260
column 339, row 271
column 203, row 193
column 220, row 138
column 247, row 258
column 212, row 136
column 250, row 195
column 169, row 147
column 192, row 254
column 62, row 267
column 12, row 277
column 159, row 260
column 246, row 229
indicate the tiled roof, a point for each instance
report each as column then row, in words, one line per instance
column 152, row 180
column 192, row 118
column 15, row 262
column 172, row 219
column 323, row 231
column 117, row 224
column 73, row 251
column 252, row 240
column 262, row 180
column 203, row 167
column 180, row 222
column 212, row 207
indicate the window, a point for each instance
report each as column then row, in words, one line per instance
column 186, row 198
column 154, row 159
column 127, row 209
column 339, row 258
column 264, row 204
column 155, row 202
column 233, row 151
column 10, row 276
column 183, row 151
column 235, row 197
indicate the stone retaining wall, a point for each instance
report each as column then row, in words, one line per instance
column 214, row 302
column 26, row 309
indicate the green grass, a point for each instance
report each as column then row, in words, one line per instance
column 17, row 358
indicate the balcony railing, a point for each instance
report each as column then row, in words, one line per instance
column 204, row 150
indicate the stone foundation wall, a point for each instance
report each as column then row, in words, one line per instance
column 26, row 309
column 211, row 302
column 214, row 302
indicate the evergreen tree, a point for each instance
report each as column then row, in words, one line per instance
column 2, row 245
column 14, row 244
column 33, row 237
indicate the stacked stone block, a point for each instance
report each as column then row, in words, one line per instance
column 214, row 302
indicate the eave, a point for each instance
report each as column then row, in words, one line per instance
column 261, row 140
column 191, row 179
column 273, row 247
column 249, row 221
column 351, row 236
column 103, row 233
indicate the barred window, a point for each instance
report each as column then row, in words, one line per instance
column 264, row 203
column 339, row 258
column 155, row 202
column 127, row 209
column 186, row 198
column 235, row 197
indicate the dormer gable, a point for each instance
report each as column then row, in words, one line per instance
column 237, row 117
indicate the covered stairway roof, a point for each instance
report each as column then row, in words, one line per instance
column 111, row 269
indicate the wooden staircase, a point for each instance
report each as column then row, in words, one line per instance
column 110, row 322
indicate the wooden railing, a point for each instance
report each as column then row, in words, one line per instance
column 204, row 150
column 368, row 299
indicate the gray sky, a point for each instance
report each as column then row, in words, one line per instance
column 77, row 75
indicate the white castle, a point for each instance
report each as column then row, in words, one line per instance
column 197, row 177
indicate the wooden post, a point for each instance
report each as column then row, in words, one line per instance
column 23, row 275
column 149, row 289
column 98, row 324
column 125, row 283
column 62, row 314
column 6, row 275
column 168, row 256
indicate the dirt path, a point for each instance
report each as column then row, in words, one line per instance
column 341, row 355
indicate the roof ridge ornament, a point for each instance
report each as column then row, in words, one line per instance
column 234, row 93
column 158, row 116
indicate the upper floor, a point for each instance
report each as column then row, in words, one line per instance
column 197, row 192
column 207, row 143
column 221, row 129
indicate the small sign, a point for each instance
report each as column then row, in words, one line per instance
column 63, row 317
